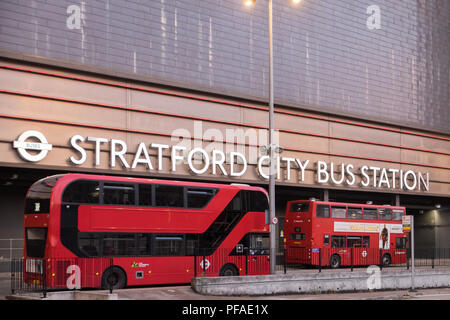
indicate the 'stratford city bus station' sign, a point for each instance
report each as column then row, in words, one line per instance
column 217, row 162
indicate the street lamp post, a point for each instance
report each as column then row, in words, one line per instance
column 272, row 145
column 271, row 151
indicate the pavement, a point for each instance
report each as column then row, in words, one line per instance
column 184, row 292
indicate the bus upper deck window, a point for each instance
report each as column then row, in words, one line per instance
column 323, row 211
column 397, row 214
column 385, row 214
column 118, row 194
column 354, row 213
column 338, row 212
column 82, row 191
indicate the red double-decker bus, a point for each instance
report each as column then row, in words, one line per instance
column 343, row 234
column 117, row 231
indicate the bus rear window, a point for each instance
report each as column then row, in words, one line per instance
column 300, row 207
column 35, row 242
column 38, row 197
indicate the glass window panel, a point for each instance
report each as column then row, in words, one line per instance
column 323, row 211
column 354, row 213
column 118, row 194
column 397, row 214
column 338, row 212
column 83, row 191
column 300, row 207
column 370, row 214
column 385, row 214
column 169, row 196
column 145, row 195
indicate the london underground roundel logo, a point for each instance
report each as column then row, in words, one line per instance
column 41, row 146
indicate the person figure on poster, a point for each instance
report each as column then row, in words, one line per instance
column 384, row 237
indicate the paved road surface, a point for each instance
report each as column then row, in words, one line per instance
column 184, row 292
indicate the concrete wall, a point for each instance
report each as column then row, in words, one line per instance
column 316, row 282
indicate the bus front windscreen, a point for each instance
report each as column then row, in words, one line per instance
column 299, row 207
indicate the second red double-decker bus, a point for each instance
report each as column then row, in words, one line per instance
column 116, row 231
column 339, row 234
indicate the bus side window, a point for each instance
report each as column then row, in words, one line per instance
column 83, row 191
column 397, row 214
column 169, row 196
column 259, row 201
column 385, row 214
column 199, row 197
column 370, row 214
column 118, row 194
column 338, row 212
column 338, row 241
column 366, row 242
column 354, row 213
column 144, row 244
column 323, row 211
column 169, row 245
column 89, row 243
column 145, row 195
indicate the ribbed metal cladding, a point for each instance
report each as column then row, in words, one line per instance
column 377, row 59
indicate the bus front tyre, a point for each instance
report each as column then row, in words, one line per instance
column 228, row 270
column 335, row 261
column 114, row 277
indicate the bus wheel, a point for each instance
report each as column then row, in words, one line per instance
column 228, row 270
column 386, row 260
column 335, row 261
column 114, row 277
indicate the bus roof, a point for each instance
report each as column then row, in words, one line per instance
column 347, row 204
column 68, row 177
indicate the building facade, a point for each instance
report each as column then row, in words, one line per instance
column 168, row 89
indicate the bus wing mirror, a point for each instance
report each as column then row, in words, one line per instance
column 267, row 216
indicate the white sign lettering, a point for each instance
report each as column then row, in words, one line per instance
column 198, row 160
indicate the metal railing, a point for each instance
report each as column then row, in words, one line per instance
column 21, row 279
column 10, row 248
column 36, row 275
column 227, row 262
column 433, row 257
column 295, row 258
